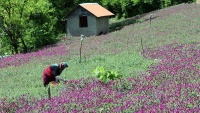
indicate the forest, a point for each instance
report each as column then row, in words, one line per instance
column 27, row 25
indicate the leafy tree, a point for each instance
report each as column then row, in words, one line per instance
column 11, row 16
column 115, row 6
column 62, row 7
column 156, row 4
column 23, row 22
column 42, row 26
column 128, row 8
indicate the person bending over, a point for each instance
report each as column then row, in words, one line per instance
column 52, row 72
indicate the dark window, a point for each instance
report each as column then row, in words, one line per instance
column 83, row 21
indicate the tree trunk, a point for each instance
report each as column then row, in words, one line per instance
column 13, row 39
column 15, row 45
column 25, row 48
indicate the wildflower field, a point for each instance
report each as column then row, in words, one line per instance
column 159, row 64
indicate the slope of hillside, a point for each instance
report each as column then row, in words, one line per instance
column 173, row 39
column 178, row 24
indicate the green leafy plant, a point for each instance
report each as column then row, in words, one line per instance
column 106, row 75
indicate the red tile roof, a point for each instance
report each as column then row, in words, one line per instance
column 96, row 9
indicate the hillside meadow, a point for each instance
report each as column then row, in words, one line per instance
column 160, row 64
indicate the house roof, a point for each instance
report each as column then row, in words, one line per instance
column 96, row 9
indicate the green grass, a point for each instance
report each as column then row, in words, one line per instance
column 25, row 79
column 119, row 51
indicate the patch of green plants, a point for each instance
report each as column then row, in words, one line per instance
column 106, row 75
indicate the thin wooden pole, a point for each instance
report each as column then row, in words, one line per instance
column 150, row 17
column 81, row 46
column 49, row 92
column 142, row 45
column 80, row 51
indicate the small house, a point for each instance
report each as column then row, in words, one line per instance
column 88, row 19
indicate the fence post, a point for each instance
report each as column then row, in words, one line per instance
column 49, row 92
column 150, row 17
column 82, row 38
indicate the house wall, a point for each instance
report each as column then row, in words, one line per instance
column 73, row 28
column 102, row 25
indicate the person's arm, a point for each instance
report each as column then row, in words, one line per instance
column 60, row 79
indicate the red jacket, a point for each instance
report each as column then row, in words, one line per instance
column 52, row 71
column 48, row 72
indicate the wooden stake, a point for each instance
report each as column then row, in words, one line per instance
column 80, row 51
column 150, row 17
column 49, row 93
column 82, row 38
column 142, row 45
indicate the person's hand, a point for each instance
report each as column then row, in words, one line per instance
column 65, row 81
column 54, row 83
column 57, row 79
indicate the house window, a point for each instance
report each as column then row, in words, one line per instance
column 83, row 21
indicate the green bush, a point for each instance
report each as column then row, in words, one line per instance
column 106, row 75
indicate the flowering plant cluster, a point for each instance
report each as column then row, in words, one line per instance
column 171, row 85
column 19, row 59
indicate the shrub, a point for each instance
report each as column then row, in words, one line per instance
column 106, row 75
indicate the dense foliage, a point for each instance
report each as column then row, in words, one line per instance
column 26, row 25
column 129, row 8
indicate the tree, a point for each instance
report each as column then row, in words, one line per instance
column 12, row 19
column 156, row 4
column 18, row 24
column 62, row 7
column 127, row 8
